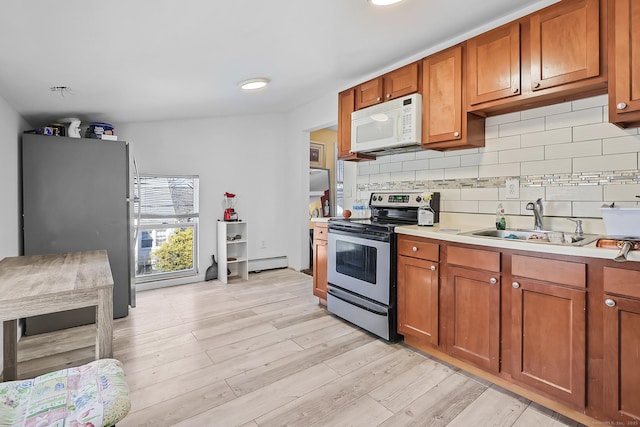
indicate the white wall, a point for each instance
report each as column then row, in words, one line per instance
column 11, row 126
column 316, row 115
column 567, row 154
column 242, row 155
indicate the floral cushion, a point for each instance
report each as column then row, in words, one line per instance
column 91, row 395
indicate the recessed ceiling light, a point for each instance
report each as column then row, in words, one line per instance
column 253, row 84
column 383, row 2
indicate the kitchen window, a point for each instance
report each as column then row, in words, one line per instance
column 166, row 226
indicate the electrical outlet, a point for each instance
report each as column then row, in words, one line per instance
column 513, row 188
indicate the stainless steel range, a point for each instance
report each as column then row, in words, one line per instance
column 362, row 262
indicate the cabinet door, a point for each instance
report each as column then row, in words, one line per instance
column 401, row 82
column 445, row 122
column 320, row 269
column 346, row 104
column 493, row 65
column 418, row 294
column 442, row 96
column 369, row 93
column 549, row 339
column 473, row 297
column 565, row 44
column 622, row 358
column 624, row 81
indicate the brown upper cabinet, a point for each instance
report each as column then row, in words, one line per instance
column 493, row 71
column 346, row 106
column 445, row 122
column 624, row 63
column 394, row 84
column 565, row 44
column 553, row 55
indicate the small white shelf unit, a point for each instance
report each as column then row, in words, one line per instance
column 233, row 255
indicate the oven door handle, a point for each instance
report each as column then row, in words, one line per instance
column 335, row 295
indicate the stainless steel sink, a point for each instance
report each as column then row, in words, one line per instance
column 535, row 236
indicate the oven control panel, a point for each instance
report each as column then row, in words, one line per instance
column 395, row 200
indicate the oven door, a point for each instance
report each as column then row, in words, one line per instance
column 359, row 264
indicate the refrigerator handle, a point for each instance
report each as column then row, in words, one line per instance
column 132, row 201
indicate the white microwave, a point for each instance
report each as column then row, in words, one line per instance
column 388, row 127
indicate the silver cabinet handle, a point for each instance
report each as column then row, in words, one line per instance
column 456, row 134
column 515, row 285
column 609, row 302
column 515, row 90
column 388, row 95
column 536, row 84
column 378, row 99
column 621, row 106
column 433, row 268
column 414, row 249
column 493, row 280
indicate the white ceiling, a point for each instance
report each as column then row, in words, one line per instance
column 135, row 60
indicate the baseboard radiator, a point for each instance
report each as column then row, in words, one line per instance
column 268, row 263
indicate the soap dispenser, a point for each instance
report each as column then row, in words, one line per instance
column 501, row 221
column 426, row 214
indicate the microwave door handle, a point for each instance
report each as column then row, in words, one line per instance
column 399, row 125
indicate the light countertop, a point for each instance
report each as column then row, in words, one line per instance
column 452, row 232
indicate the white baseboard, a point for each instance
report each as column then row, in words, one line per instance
column 268, row 263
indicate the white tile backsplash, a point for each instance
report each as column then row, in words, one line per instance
column 566, row 154
column 574, row 192
column 600, row 131
column 484, row 158
column 521, row 155
column 461, row 173
column 503, row 169
column 574, row 118
column 548, row 137
column 574, row 149
column 445, row 162
column 479, row 194
column 391, row 167
column 403, row 176
column 413, row 165
column 594, row 101
column 623, row 144
column 613, row 162
column 522, row 127
column 546, row 167
column 506, row 143
column 548, row 110
column 430, row 175
column 622, row 193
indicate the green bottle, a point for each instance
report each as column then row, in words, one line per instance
column 501, row 221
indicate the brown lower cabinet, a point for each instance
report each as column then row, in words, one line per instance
column 622, row 344
column 548, row 321
column 472, row 294
column 320, row 261
column 418, row 289
column 561, row 330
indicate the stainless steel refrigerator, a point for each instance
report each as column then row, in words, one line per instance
column 75, row 197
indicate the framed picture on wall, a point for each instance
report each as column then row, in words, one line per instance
column 316, row 155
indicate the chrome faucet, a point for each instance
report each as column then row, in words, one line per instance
column 537, row 213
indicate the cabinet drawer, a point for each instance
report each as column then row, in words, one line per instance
column 418, row 248
column 550, row 270
column 474, row 258
column 320, row 231
column 621, row 281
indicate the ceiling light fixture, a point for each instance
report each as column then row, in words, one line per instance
column 253, row 84
column 62, row 89
column 383, row 2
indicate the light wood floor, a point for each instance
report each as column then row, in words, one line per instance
column 264, row 353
